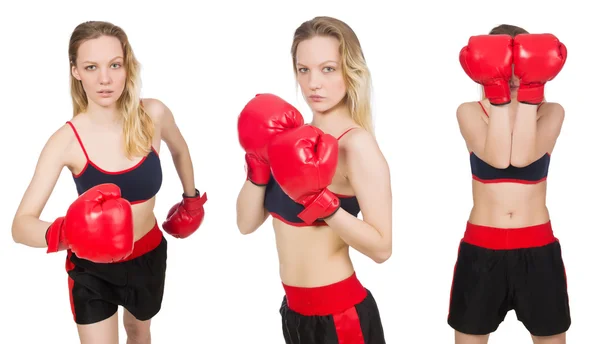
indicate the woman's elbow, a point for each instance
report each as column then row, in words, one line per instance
column 499, row 163
column 15, row 236
column 519, row 164
column 249, row 220
column 521, row 161
column 16, row 233
column 497, row 160
column 245, row 226
column 382, row 255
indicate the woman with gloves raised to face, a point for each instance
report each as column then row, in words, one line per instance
column 509, row 257
column 314, row 179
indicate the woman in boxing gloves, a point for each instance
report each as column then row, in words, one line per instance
column 116, row 254
column 314, row 180
column 509, row 257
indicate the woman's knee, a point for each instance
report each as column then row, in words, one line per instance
column 555, row 339
column 137, row 331
column 102, row 332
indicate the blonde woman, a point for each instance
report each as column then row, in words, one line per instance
column 315, row 199
column 116, row 253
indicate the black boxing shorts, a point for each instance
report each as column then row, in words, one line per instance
column 518, row 269
column 343, row 312
column 136, row 283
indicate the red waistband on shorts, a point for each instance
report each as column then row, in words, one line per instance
column 509, row 238
column 145, row 244
column 330, row 299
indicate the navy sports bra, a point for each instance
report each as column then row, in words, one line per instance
column 138, row 183
column 283, row 208
column 534, row 173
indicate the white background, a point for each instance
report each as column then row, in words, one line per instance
column 205, row 63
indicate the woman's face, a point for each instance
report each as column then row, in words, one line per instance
column 319, row 73
column 100, row 68
column 514, row 84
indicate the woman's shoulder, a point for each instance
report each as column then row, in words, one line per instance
column 469, row 110
column 357, row 138
column 552, row 113
column 470, row 107
column 63, row 138
column 361, row 151
column 68, row 130
column 551, row 106
column 155, row 108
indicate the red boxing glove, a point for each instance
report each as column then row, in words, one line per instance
column 303, row 162
column 264, row 117
column 185, row 217
column 98, row 226
column 488, row 60
column 538, row 59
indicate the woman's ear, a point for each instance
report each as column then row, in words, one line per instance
column 75, row 72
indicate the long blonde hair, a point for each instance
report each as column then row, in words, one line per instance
column 138, row 128
column 354, row 66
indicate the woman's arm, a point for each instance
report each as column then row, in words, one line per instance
column 490, row 142
column 170, row 134
column 369, row 176
column 533, row 138
column 27, row 228
column 250, row 209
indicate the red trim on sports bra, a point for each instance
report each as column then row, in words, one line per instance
column 509, row 180
column 483, row 108
column 339, row 137
column 346, row 132
column 90, row 162
column 79, row 140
